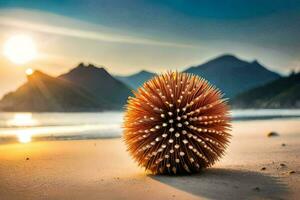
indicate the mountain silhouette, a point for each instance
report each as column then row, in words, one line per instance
column 42, row 92
column 229, row 73
column 91, row 88
column 136, row 80
column 281, row 93
column 100, row 83
column 233, row 75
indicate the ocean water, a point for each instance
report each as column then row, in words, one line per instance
column 28, row 127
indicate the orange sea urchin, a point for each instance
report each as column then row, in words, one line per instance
column 176, row 123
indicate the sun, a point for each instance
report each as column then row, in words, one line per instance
column 29, row 71
column 20, row 49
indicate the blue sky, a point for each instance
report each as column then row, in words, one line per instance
column 127, row 36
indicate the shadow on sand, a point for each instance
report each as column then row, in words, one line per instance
column 228, row 184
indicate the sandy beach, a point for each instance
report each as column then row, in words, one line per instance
column 255, row 167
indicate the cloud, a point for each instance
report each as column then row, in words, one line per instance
column 33, row 20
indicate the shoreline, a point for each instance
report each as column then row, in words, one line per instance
column 94, row 135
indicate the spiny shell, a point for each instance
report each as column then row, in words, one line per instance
column 176, row 123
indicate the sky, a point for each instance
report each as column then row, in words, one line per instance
column 127, row 36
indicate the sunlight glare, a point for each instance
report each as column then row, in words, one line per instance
column 20, row 49
column 24, row 137
column 22, row 119
column 29, row 71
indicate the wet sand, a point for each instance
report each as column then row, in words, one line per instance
column 255, row 167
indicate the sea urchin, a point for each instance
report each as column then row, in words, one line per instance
column 176, row 123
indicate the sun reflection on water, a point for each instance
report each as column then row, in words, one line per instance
column 24, row 136
column 22, row 119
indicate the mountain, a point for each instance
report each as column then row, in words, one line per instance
column 281, row 93
column 136, row 80
column 233, row 75
column 42, row 92
column 100, row 83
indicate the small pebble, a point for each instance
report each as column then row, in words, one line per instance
column 292, row 172
column 27, row 158
column 272, row 134
column 263, row 168
column 283, row 145
column 282, row 165
column 256, row 189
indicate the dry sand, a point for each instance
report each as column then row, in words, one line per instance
column 102, row 169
